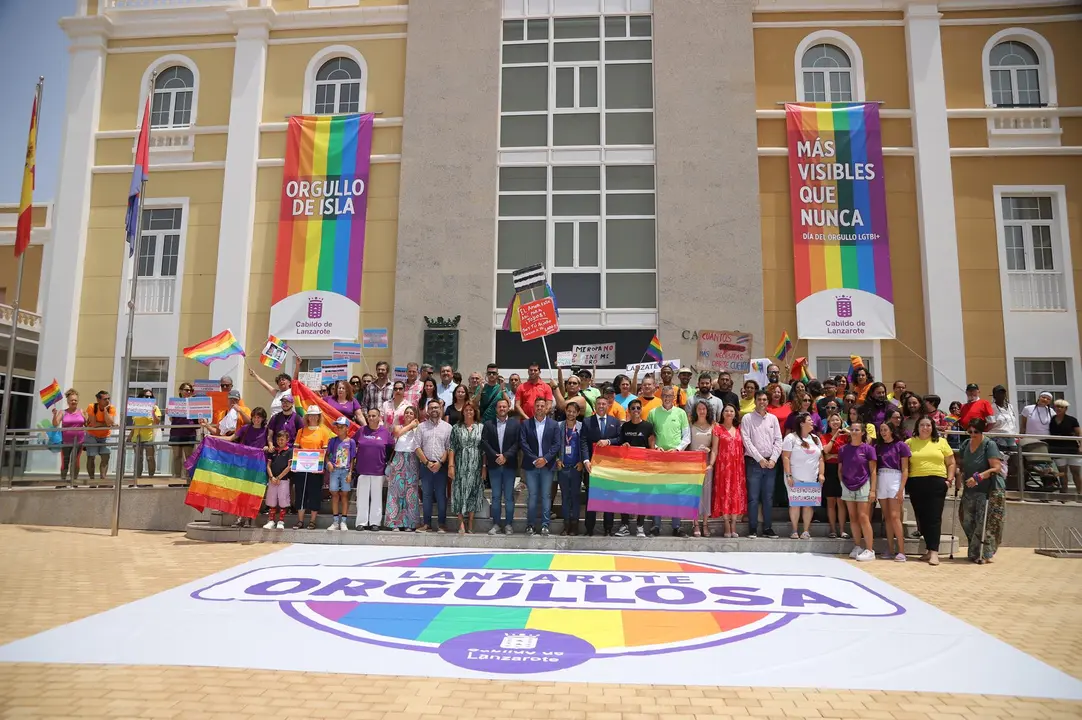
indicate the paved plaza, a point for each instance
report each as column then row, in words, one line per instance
column 55, row 576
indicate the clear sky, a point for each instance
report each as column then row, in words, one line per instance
column 31, row 44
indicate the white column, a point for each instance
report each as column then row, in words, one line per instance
column 62, row 262
column 935, row 202
column 238, row 199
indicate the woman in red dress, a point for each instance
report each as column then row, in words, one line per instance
column 730, row 500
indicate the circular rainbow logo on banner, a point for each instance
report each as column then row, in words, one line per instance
column 491, row 637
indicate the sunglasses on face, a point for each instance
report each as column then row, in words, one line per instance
column 226, row 386
column 399, row 388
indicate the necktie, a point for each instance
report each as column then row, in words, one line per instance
column 602, row 427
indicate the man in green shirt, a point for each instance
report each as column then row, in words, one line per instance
column 488, row 394
column 673, row 433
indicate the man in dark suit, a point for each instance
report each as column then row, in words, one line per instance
column 540, row 442
column 598, row 431
column 499, row 440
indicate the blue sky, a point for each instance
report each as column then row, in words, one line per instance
column 31, row 44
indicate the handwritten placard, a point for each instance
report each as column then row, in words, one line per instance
column 307, row 461
column 140, row 407
column 537, row 319
column 202, row 387
column 565, row 359
column 311, row 380
column 599, row 355
column 724, row 350
column 653, row 366
column 805, row 494
column 350, row 352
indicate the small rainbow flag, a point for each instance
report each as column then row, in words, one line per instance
column 799, row 370
column 638, row 481
column 227, row 476
column 785, row 346
column 219, row 347
column 653, row 350
column 510, row 320
column 51, row 395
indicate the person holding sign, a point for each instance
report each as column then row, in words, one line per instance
column 142, row 435
column 857, row 465
column 802, row 458
column 893, row 471
column 308, row 486
column 100, row 419
column 182, row 433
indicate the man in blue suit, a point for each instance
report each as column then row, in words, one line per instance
column 539, row 441
column 598, row 431
column 500, row 441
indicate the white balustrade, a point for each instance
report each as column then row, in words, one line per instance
column 155, row 295
column 1037, row 290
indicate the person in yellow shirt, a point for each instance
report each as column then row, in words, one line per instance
column 308, row 486
column 143, row 432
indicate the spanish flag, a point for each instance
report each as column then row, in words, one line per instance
column 26, row 199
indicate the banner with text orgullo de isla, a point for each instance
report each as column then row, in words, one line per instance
column 841, row 245
column 320, row 256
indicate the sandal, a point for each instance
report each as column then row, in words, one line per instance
column 461, row 529
column 833, row 535
column 297, row 526
column 845, row 535
column 695, row 531
column 238, row 524
column 311, row 525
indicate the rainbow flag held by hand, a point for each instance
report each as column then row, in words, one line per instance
column 653, row 350
column 227, row 476
column 799, row 370
column 638, row 481
column 785, row 346
column 219, row 347
column 304, row 397
column 51, row 395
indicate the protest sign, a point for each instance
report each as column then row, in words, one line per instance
column 140, row 407
column 334, row 370
column 350, row 352
column 724, row 351
column 537, row 319
column 805, row 494
column 311, row 380
column 599, row 355
column 399, row 374
column 375, row 338
column 653, row 366
column 176, row 407
column 274, row 353
column 202, row 387
column 200, row 408
column 565, row 359
column 307, row 461
column 757, row 371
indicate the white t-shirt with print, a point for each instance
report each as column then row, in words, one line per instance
column 803, row 461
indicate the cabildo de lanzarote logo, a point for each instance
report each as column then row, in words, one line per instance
column 531, row 612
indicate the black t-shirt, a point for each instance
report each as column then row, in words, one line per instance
column 727, row 398
column 636, row 434
column 280, row 460
column 1065, row 428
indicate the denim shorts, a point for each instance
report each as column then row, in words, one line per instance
column 97, row 445
column 340, row 480
column 861, row 494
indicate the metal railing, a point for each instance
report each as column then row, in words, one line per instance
column 1016, row 459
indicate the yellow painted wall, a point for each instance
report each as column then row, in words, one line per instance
column 9, row 267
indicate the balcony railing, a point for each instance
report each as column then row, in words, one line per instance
column 1022, row 122
column 169, row 4
column 172, row 138
column 1033, row 290
column 155, row 295
column 27, row 320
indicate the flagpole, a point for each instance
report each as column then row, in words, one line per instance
column 5, row 405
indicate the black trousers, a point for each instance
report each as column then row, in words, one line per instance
column 927, row 493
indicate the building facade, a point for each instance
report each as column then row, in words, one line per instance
column 637, row 148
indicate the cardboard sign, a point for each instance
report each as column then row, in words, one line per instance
column 599, row 355
column 202, row 387
column 350, row 352
column 311, row 380
column 537, row 319
column 192, row 408
column 335, row 370
column 649, row 367
column 375, row 338
column 307, row 461
column 565, row 359
column 805, row 494
column 140, row 407
column 724, row 351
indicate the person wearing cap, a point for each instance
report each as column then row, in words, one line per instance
column 975, row 407
column 308, row 486
column 589, row 392
column 286, row 420
column 666, row 373
column 1037, row 417
column 341, row 455
column 616, row 410
column 684, row 375
column 227, row 421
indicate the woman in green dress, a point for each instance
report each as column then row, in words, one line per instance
column 464, row 468
column 984, row 493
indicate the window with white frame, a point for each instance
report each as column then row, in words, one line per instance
column 338, row 87
column 149, row 374
column 156, row 260
column 1014, row 70
column 828, row 74
column 829, row 367
column 1031, row 249
column 571, row 84
column 1032, row 376
column 174, row 90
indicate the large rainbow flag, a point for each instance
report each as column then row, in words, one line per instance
column 637, row 481
column 219, row 347
column 841, row 246
column 226, row 476
column 321, row 226
column 304, row 397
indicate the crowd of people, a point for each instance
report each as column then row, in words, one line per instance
column 434, row 442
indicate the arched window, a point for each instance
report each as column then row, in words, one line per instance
column 174, row 90
column 827, row 72
column 338, row 87
column 1014, row 71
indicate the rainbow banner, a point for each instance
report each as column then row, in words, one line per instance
column 637, row 481
column 227, row 476
column 838, row 198
column 321, row 224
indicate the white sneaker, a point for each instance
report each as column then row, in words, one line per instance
column 900, row 557
column 269, row 525
column 342, row 525
column 280, row 526
column 640, row 532
column 857, row 550
column 507, row 529
column 333, row 527
column 805, row 535
column 866, row 556
column 494, row 530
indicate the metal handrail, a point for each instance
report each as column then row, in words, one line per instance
column 1020, row 454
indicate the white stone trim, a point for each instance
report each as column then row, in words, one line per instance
column 324, row 39
column 846, row 44
column 164, row 63
column 164, row 167
column 1046, row 73
column 1030, row 20
column 784, row 151
column 790, row 6
column 121, row 134
column 277, row 127
column 885, row 113
column 330, row 52
column 375, row 160
column 518, row 9
column 768, row 24
column 187, row 47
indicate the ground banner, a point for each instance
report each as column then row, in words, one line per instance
column 638, row 481
column 841, row 246
column 317, row 269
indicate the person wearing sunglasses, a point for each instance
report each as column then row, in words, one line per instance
column 142, row 435
column 100, row 421
column 182, row 432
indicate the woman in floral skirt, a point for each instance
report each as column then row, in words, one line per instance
column 464, row 468
column 403, row 509
column 730, row 500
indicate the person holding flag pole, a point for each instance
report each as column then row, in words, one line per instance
column 22, row 242
column 133, row 227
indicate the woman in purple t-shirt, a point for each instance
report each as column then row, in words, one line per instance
column 342, row 400
column 892, row 471
column 856, row 466
column 253, row 434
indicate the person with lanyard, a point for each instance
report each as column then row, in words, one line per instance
column 598, row 431
column 569, row 468
column 673, row 432
column 489, row 393
column 285, row 420
column 639, row 433
column 283, row 384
